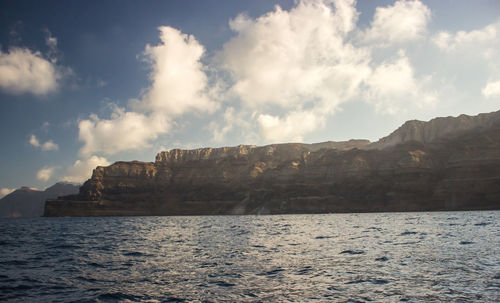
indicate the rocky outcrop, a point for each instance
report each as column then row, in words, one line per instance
column 425, row 132
column 28, row 202
column 422, row 166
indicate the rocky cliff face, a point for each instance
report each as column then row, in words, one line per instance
column 425, row 132
column 444, row 164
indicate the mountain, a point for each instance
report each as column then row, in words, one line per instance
column 445, row 164
column 28, row 202
column 426, row 132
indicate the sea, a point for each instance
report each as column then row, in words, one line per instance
column 377, row 257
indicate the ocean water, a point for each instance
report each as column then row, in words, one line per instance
column 385, row 257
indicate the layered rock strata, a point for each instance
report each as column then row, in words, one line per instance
column 422, row 166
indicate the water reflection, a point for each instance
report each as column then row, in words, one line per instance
column 338, row 257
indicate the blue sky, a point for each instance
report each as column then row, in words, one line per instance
column 87, row 83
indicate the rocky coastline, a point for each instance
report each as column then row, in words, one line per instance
column 445, row 164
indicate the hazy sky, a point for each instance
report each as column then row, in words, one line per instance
column 87, row 83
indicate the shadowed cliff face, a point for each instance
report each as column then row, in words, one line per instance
column 432, row 167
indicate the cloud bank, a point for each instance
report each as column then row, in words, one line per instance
column 393, row 87
column 298, row 62
column 293, row 70
column 283, row 75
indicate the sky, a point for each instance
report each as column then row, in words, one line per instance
column 88, row 83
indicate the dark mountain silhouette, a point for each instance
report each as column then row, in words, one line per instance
column 27, row 202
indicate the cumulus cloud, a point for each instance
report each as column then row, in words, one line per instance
column 34, row 141
column 45, row 173
column 484, row 38
column 299, row 62
column 292, row 70
column 492, row 89
column 292, row 127
column 476, row 57
column 82, row 169
column 25, row 71
column 124, row 131
column 5, row 191
column 178, row 80
column 49, row 145
column 401, row 22
column 289, row 58
column 393, row 87
column 178, row 86
column 284, row 74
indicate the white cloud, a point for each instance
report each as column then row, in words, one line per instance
column 288, row 58
column 404, row 21
column 472, row 58
column 393, row 87
column 34, row 141
column 292, row 127
column 178, row 81
column 236, row 126
column 220, row 132
column 5, row 191
column 492, row 89
column 45, row 173
column 283, row 75
column 50, row 145
column 297, row 61
column 484, row 39
column 81, row 170
column 178, row 86
column 124, row 131
column 24, row 71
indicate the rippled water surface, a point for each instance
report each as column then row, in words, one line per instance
column 415, row 257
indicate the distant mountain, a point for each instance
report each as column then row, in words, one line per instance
column 28, row 202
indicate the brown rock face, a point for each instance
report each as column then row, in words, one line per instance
column 423, row 166
column 426, row 132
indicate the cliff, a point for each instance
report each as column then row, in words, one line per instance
column 28, row 202
column 425, row 132
column 444, row 164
